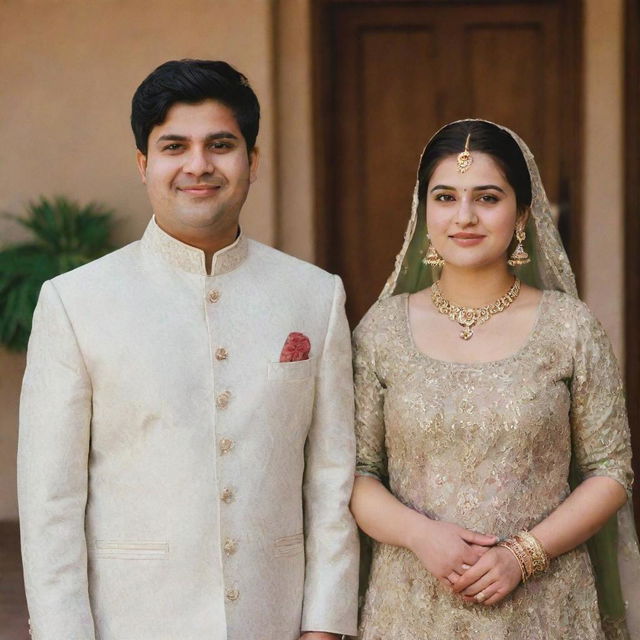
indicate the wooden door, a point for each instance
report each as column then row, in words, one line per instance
column 389, row 74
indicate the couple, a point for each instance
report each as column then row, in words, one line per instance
column 187, row 449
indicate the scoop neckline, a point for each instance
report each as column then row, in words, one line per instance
column 481, row 363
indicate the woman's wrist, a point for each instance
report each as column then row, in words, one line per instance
column 418, row 527
column 529, row 552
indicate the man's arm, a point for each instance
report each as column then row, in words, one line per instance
column 53, row 449
column 331, row 578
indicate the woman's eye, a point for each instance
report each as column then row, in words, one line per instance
column 488, row 198
column 445, row 197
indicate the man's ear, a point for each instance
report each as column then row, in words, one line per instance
column 141, row 161
column 254, row 163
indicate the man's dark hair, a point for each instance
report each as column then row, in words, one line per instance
column 193, row 81
column 487, row 138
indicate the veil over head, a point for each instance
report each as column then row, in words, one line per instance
column 614, row 550
column 549, row 268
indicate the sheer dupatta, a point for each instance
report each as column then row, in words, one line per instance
column 614, row 550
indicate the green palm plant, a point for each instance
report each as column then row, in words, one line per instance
column 66, row 235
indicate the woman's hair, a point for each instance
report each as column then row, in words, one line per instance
column 192, row 81
column 485, row 138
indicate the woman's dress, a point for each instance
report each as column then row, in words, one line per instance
column 487, row 446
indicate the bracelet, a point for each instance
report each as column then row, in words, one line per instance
column 518, row 553
column 529, row 552
column 539, row 557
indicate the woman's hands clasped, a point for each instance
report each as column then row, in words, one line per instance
column 489, row 580
column 447, row 550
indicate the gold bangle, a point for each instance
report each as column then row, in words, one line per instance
column 539, row 557
column 518, row 554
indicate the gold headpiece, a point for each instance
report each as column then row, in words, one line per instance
column 465, row 159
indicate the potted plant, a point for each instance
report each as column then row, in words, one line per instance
column 65, row 236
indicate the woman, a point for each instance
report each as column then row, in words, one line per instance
column 475, row 398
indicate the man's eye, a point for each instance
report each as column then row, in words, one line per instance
column 221, row 145
column 172, row 147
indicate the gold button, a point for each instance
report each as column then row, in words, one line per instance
column 221, row 354
column 226, row 444
column 227, row 495
column 222, row 401
column 232, row 594
column 230, row 546
column 214, row 295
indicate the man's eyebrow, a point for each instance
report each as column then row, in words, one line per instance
column 219, row 135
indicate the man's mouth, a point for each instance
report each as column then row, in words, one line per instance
column 200, row 189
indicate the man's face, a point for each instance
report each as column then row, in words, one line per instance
column 197, row 170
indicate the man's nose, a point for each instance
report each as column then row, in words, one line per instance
column 198, row 162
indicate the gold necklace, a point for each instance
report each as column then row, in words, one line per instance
column 469, row 317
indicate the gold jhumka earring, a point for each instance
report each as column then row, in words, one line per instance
column 519, row 255
column 464, row 158
column 433, row 258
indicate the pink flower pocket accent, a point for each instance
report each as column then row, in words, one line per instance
column 296, row 347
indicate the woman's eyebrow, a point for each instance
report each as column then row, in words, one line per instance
column 442, row 186
column 484, row 187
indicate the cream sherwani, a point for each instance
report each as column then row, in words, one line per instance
column 176, row 481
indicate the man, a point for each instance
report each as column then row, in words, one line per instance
column 186, row 449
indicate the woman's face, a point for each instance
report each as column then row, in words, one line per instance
column 471, row 216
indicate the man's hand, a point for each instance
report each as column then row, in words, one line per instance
column 319, row 635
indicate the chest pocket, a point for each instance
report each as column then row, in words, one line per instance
column 292, row 371
column 290, row 398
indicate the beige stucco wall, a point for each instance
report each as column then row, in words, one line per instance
column 72, row 66
column 603, row 197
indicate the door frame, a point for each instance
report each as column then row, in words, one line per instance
column 322, row 49
column 632, row 230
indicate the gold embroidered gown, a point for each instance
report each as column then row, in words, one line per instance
column 487, row 446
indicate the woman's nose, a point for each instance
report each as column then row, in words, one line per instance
column 465, row 214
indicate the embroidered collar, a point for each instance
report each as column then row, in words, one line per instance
column 191, row 259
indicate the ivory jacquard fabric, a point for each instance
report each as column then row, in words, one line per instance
column 487, row 446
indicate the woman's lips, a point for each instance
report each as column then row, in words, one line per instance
column 467, row 239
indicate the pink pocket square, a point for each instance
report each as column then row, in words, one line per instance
column 296, row 347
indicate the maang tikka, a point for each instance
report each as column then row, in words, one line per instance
column 465, row 158
column 519, row 255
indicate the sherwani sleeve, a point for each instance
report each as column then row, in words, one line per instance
column 55, row 415
column 331, row 577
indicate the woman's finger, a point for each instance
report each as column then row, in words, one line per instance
column 494, row 599
column 480, row 585
column 478, row 538
column 470, row 576
column 453, row 577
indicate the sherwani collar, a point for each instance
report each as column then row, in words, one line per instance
column 191, row 259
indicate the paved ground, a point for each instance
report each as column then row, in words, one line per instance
column 13, row 607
